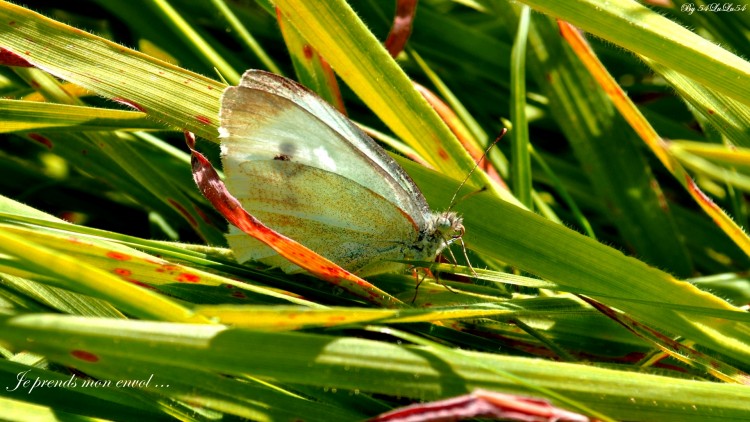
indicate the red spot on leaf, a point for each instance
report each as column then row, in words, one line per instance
column 444, row 155
column 122, row 272
column 41, row 139
column 84, row 356
column 129, row 103
column 189, row 217
column 710, row 111
column 307, row 50
column 168, row 268
column 34, row 84
column 203, row 119
column 188, row 278
column 118, row 256
column 12, row 23
column 239, row 295
column 210, row 88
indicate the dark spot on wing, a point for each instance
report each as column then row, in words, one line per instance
column 287, row 149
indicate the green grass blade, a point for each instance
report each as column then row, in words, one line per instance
column 559, row 254
column 636, row 28
column 326, row 361
column 521, row 170
column 165, row 92
column 609, row 151
column 201, row 47
column 246, row 36
column 27, row 115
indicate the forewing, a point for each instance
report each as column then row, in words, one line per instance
column 407, row 195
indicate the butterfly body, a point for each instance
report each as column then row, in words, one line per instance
column 306, row 171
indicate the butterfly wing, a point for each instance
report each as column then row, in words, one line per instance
column 391, row 181
column 303, row 175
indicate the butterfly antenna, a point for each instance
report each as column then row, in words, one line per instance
column 470, row 194
column 476, row 165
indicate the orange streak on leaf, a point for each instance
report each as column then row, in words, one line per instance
column 626, row 107
column 330, row 76
column 734, row 231
column 649, row 135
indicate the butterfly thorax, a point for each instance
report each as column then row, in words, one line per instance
column 441, row 229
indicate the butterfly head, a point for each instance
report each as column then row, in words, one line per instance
column 449, row 226
column 442, row 229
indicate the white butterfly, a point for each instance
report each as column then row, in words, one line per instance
column 306, row 171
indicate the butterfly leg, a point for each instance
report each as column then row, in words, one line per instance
column 419, row 280
column 437, row 280
column 466, row 256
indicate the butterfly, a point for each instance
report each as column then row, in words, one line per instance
column 306, row 171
